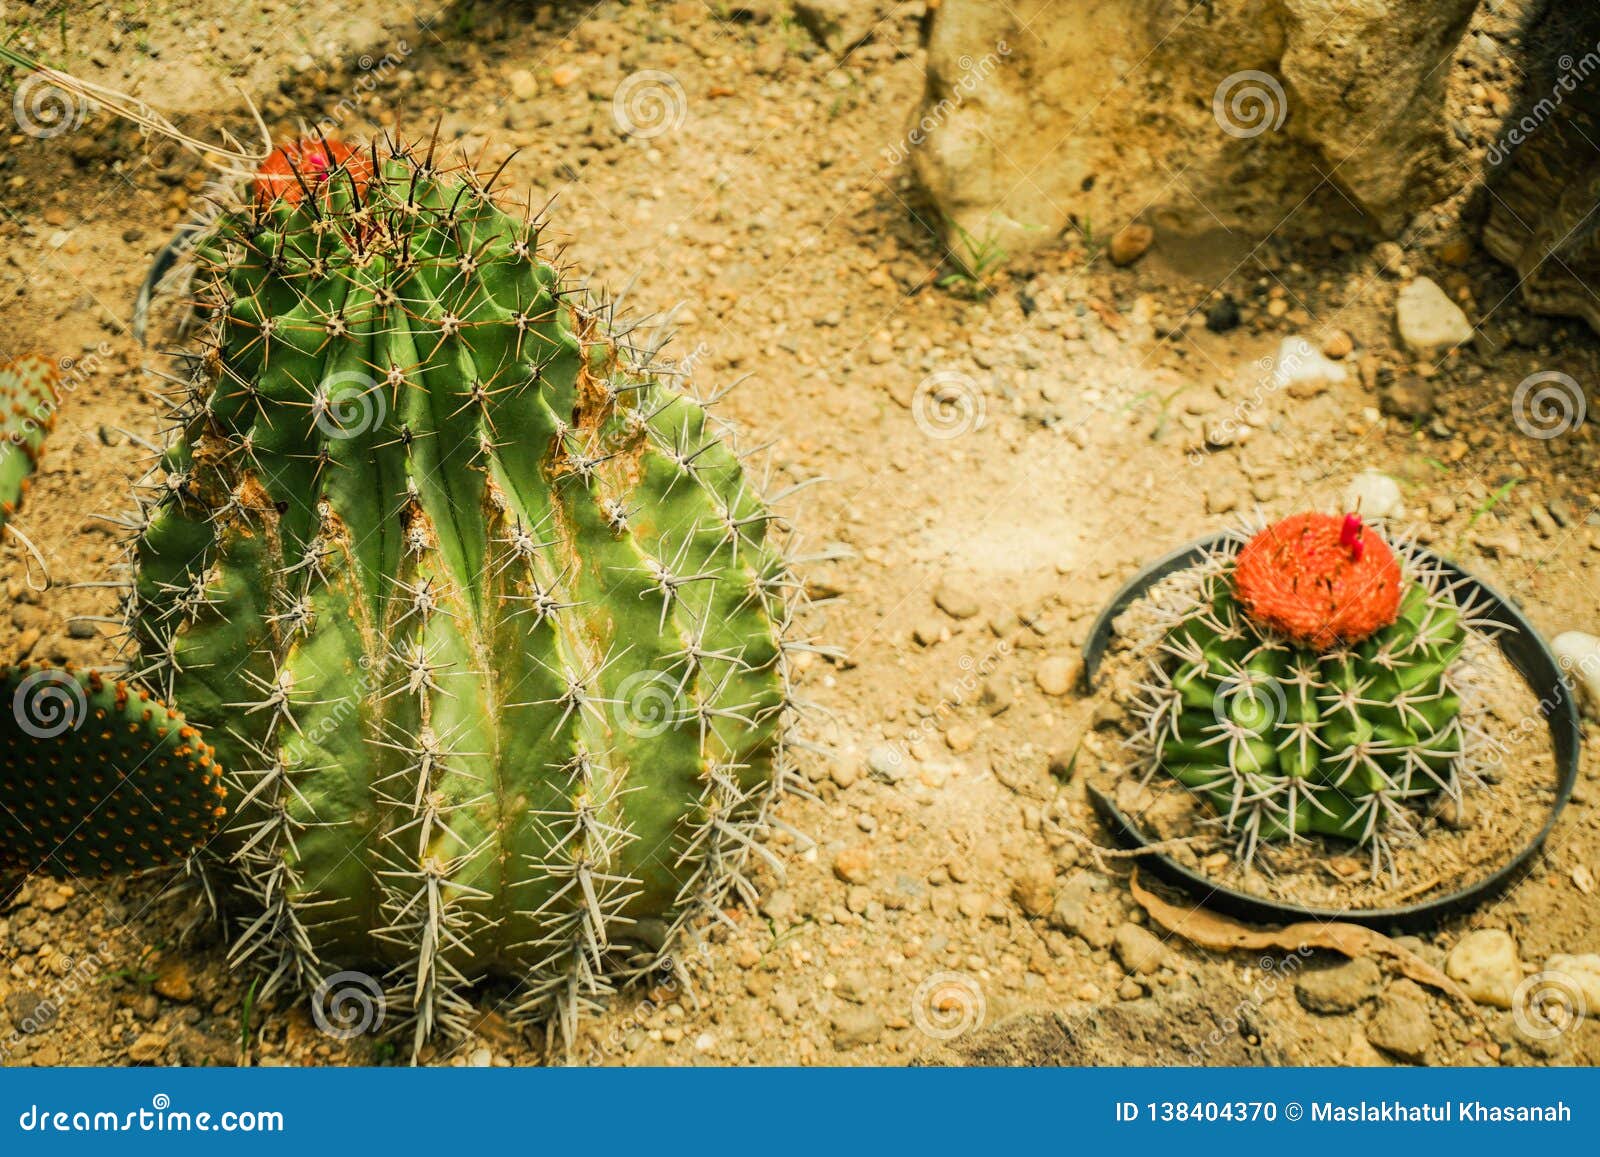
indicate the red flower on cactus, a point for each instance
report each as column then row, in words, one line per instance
column 315, row 161
column 1319, row 580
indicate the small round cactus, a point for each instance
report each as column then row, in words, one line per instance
column 1305, row 685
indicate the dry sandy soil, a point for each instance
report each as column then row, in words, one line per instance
column 1076, row 450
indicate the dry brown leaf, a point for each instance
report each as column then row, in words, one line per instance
column 1206, row 929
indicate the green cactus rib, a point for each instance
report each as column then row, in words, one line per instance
column 96, row 776
column 477, row 607
column 30, row 390
column 1284, row 741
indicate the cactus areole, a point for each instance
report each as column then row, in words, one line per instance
column 1306, row 684
column 476, row 606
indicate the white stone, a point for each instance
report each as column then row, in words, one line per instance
column 1055, row 675
column 1579, row 656
column 1485, row 962
column 523, row 85
column 1374, row 495
column 1578, row 975
column 1304, row 370
column 1428, row 320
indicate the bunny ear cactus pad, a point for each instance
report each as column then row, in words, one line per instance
column 1305, row 686
column 479, row 609
column 30, row 390
column 97, row 777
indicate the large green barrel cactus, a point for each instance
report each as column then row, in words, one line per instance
column 1308, row 684
column 478, row 608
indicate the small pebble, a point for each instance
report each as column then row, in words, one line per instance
column 1056, row 674
column 1373, row 494
column 853, row 865
column 1485, row 963
column 957, row 602
column 1130, row 243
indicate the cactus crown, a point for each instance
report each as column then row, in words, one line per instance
column 304, row 167
column 1304, row 685
column 476, row 603
column 1317, row 580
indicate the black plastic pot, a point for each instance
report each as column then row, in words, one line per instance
column 1522, row 646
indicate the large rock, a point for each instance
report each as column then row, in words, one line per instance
column 1373, row 494
column 1401, row 1024
column 1038, row 112
column 1342, row 988
column 1541, row 219
column 1082, row 908
column 1304, row 370
column 1579, row 978
column 838, row 25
